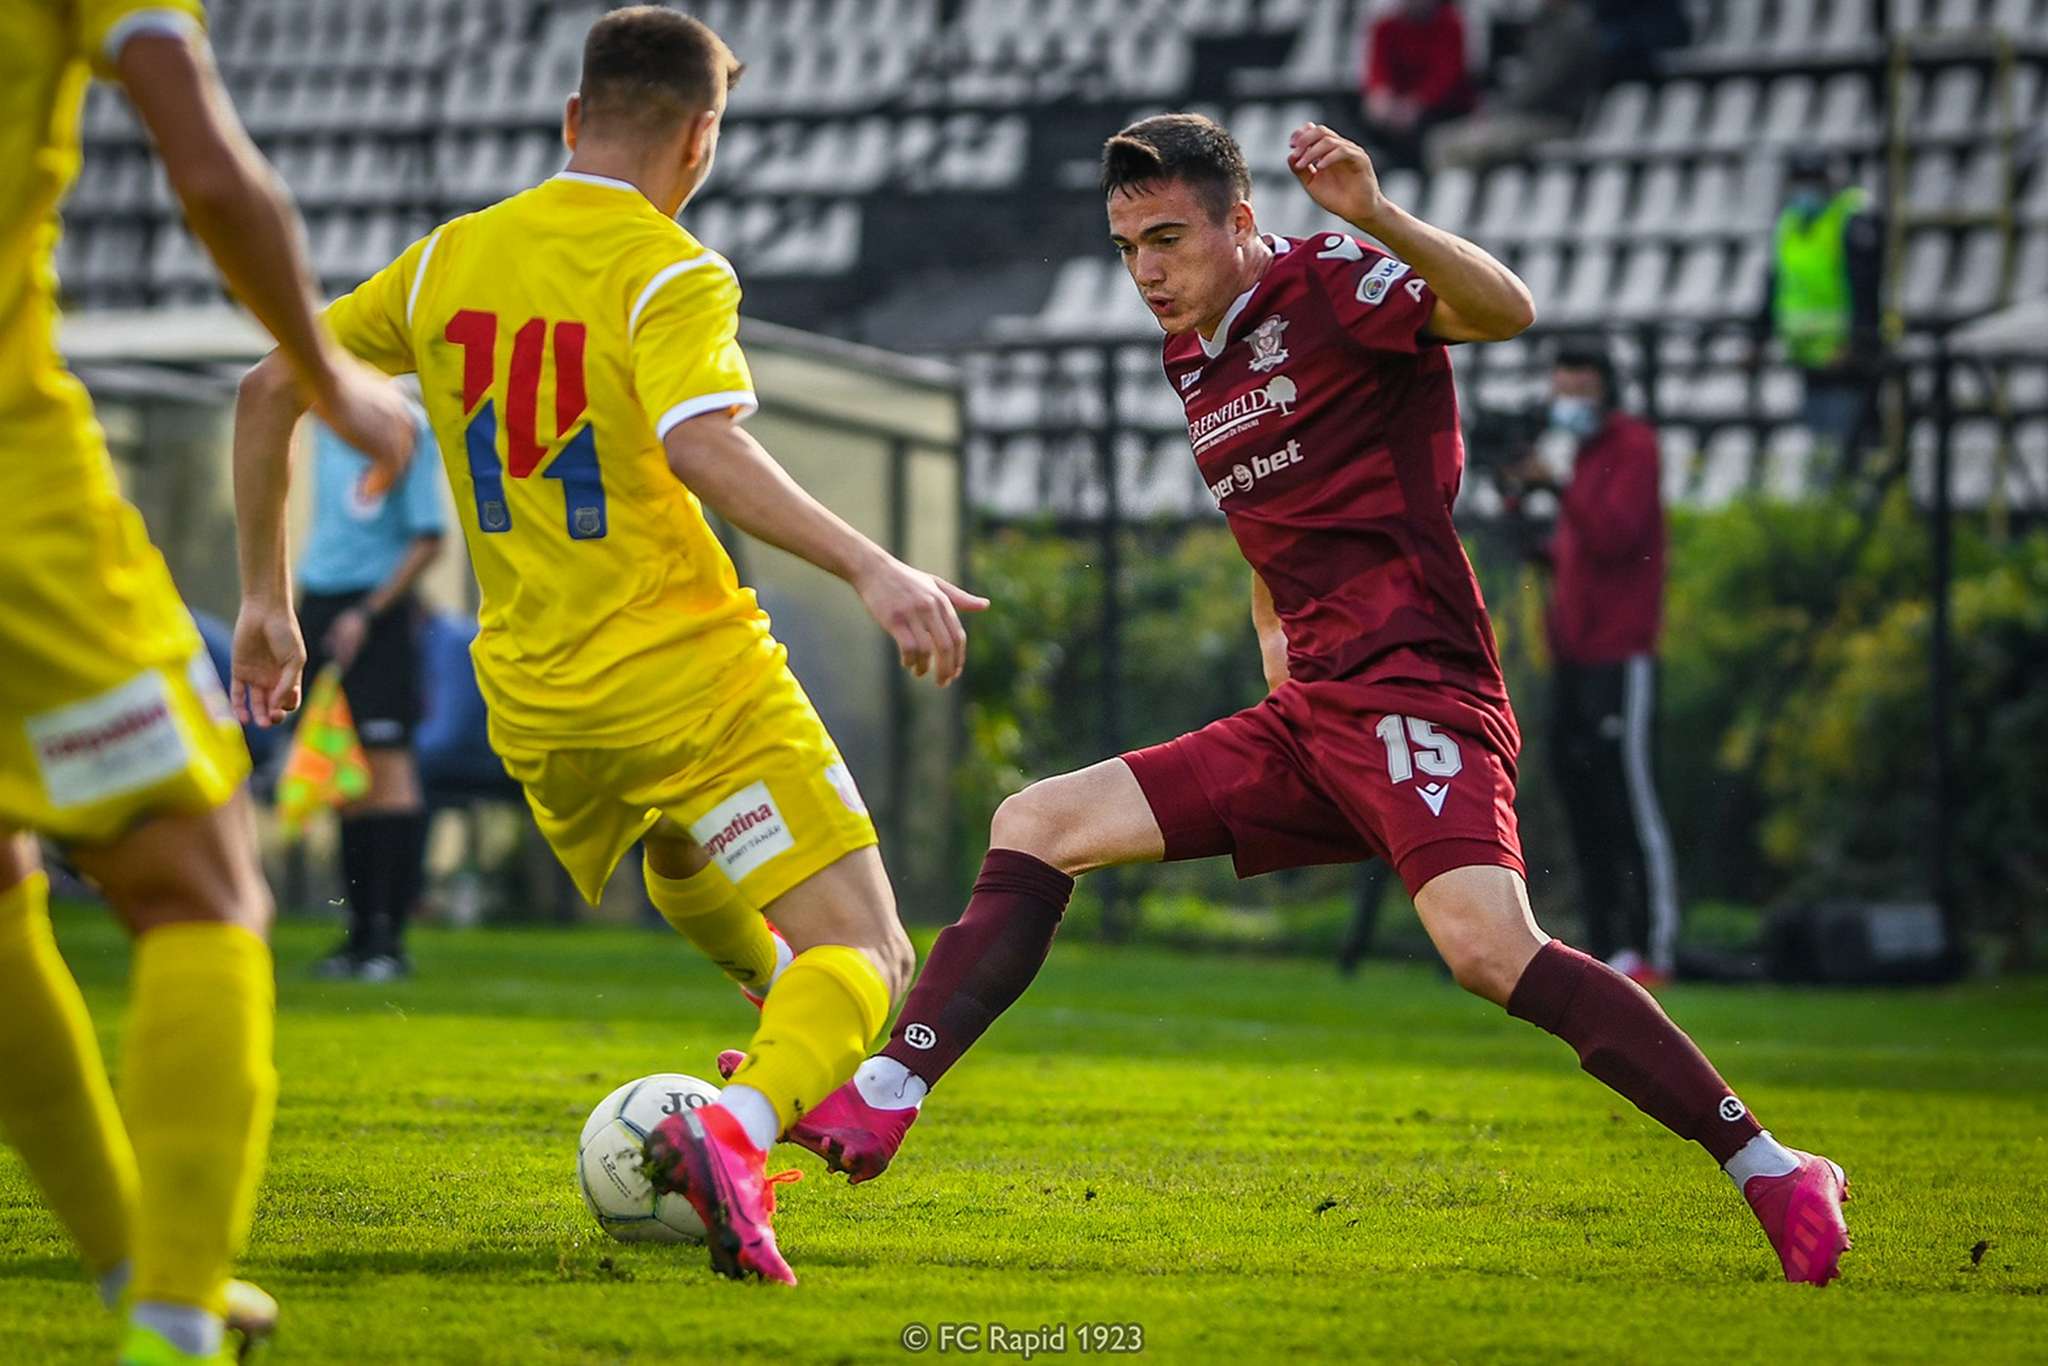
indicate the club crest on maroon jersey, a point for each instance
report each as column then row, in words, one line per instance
column 1267, row 352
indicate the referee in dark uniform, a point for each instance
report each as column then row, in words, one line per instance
column 1606, row 609
column 356, row 609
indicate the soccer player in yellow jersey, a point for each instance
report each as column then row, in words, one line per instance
column 576, row 353
column 114, row 736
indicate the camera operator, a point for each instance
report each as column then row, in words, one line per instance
column 1605, row 610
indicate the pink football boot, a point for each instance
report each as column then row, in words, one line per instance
column 1801, row 1212
column 851, row 1135
column 706, row 1157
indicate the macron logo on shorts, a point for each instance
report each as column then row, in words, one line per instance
column 744, row 831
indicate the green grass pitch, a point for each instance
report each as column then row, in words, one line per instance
column 1252, row 1160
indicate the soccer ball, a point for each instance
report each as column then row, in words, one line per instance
column 609, row 1154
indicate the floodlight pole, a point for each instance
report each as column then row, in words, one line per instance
column 1941, row 883
column 1115, row 905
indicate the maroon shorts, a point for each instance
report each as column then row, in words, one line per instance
column 1314, row 774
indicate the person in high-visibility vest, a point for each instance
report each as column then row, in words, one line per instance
column 1821, row 302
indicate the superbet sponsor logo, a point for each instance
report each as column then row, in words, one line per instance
column 737, row 826
column 1243, row 476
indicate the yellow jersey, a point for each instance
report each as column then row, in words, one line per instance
column 51, row 451
column 109, row 711
column 558, row 336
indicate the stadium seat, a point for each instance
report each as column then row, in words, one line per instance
column 1586, row 296
column 1786, row 110
column 1681, row 106
column 1550, row 209
column 1502, row 201
column 1848, row 28
column 1677, row 455
column 1659, row 207
column 1948, row 105
column 1542, row 270
column 1604, row 211
column 1699, row 286
column 1619, row 119
column 1727, row 466
column 1712, row 200
column 1924, row 277
column 1143, row 396
column 1640, row 290
column 2027, row 483
column 1978, row 274
column 1731, row 124
column 1788, row 470
column 1449, row 198
column 1844, row 116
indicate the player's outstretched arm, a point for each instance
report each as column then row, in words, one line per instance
column 1272, row 636
column 239, row 210
column 723, row 465
column 1477, row 298
column 269, row 656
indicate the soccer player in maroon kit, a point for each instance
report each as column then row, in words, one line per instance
column 1322, row 413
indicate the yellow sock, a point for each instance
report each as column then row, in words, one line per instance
column 198, row 1087
column 815, row 1027
column 56, row 1106
column 710, row 912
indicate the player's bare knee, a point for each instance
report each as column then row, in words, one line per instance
column 674, row 854
column 896, row 959
column 185, row 869
column 1034, row 822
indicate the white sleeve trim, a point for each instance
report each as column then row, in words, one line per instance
column 159, row 23
column 663, row 276
column 412, row 296
column 742, row 399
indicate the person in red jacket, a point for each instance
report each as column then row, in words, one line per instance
column 1414, row 77
column 1606, row 608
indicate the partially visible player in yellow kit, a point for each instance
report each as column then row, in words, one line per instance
column 114, row 736
column 577, row 357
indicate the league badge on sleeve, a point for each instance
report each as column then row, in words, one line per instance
column 1267, row 352
column 1373, row 286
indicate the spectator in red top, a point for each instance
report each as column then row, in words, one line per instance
column 1606, row 607
column 1415, row 77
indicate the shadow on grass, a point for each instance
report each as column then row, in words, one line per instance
column 64, row 1269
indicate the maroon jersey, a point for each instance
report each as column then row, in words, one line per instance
column 1326, row 426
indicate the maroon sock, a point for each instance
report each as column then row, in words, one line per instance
column 981, row 963
column 1624, row 1038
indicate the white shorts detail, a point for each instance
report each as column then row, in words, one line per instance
column 744, row 831
column 122, row 741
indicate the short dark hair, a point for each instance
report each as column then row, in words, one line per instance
column 1590, row 353
column 653, row 67
column 1191, row 148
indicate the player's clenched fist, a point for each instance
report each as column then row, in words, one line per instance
column 921, row 613
column 1336, row 172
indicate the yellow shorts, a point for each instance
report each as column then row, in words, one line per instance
column 109, row 708
column 757, row 781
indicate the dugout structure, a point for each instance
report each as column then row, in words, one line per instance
column 875, row 435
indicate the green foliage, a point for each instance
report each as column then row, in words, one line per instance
column 1037, row 702
column 1849, row 774
column 1794, row 750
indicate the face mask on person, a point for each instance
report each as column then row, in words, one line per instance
column 1807, row 201
column 1579, row 416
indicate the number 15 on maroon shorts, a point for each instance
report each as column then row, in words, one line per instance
column 1316, row 774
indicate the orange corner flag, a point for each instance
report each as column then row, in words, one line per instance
column 326, row 766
